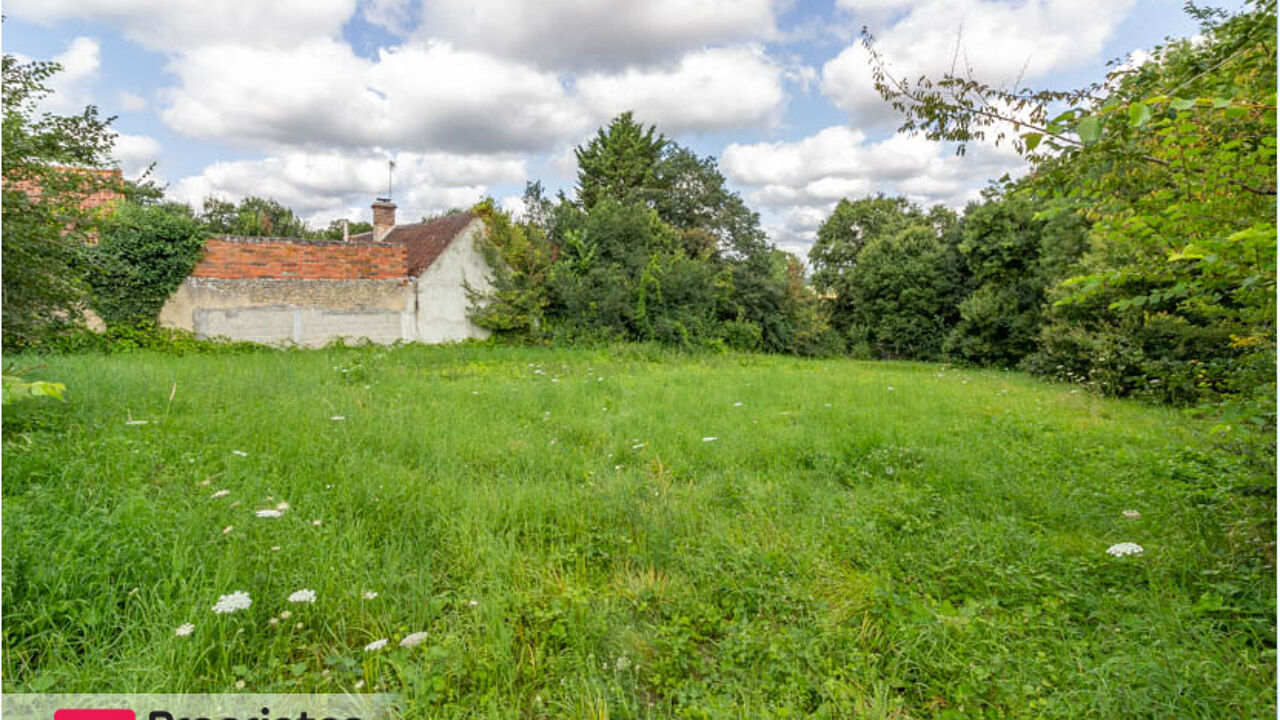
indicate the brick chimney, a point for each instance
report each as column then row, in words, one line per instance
column 384, row 218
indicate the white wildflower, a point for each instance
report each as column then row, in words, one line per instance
column 282, row 506
column 710, row 438
column 376, row 645
column 303, row 596
column 228, row 529
column 240, row 453
column 473, row 603
column 236, row 504
column 359, row 684
column 890, row 388
column 238, row 600
column 275, row 548
column 220, row 493
column 737, row 404
column 239, row 684
column 413, row 639
column 268, row 513
column 316, row 522
column 637, row 446
column 370, row 594
column 204, row 483
column 135, row 422
column 1132, row 514
column 1124, row 548
column 623, row 664
column 273, row 621
column 338, row 417
column 297, row 626
column 286, row 615
column 184, row 629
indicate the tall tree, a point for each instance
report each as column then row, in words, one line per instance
column 852, row 226
column 620, row 162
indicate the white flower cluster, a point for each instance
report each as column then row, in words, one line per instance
column 303, row 596
column 1124, row 548
column 238, row 600
column 413, row 639
column 376, row 645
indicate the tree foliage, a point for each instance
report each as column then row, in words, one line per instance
column 45, row 219
column 255, row 217
column 620, row 163
column 655, row 248
column 855, row 225
column 144, row 254
column 1172, row 164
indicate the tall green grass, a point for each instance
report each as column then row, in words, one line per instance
column 858, row 539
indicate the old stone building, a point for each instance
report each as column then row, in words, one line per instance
column 398, row 282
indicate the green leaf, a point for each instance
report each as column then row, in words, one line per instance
column 1182, row 103
column 1139, row 114
column 1031, row 140
column 1089, row 129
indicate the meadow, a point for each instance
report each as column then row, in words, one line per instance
column 631, row 533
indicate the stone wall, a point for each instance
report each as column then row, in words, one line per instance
column 301, row 312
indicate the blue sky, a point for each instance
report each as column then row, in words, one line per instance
column 306, row 100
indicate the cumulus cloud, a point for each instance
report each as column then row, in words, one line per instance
column 579, row 34
column 1000, row 43
column 714, row 89
column 174, row 25
column 134, row 153
column 71, row 87
column 798, row 183
column 328, row 185
column 418, row 97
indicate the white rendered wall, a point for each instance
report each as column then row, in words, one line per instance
column 442, row 297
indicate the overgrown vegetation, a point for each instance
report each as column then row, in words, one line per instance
column 143, row 254
column 1167, row 170
column 632, row 533
column 654, row 248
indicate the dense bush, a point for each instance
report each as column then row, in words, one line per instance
column 143, row 255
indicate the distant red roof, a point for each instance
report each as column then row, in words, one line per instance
column 427, row 240
column 406, row 251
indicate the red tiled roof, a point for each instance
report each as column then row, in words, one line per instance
column 427, row 240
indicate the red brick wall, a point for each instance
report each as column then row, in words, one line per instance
column 232, row 258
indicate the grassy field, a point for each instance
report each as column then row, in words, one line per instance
column 629, row 534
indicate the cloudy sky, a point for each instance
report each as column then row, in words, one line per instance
column 305, row 101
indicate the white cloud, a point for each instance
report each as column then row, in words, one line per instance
column 134, row 153
column 72, row 86
column 329, row 185
column 716, row 89
column 797, row 184
column 577, row 34
column 416, row 97
column 397, row 16
column 1001, row 43
column 131, row 102
column 176, row 25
